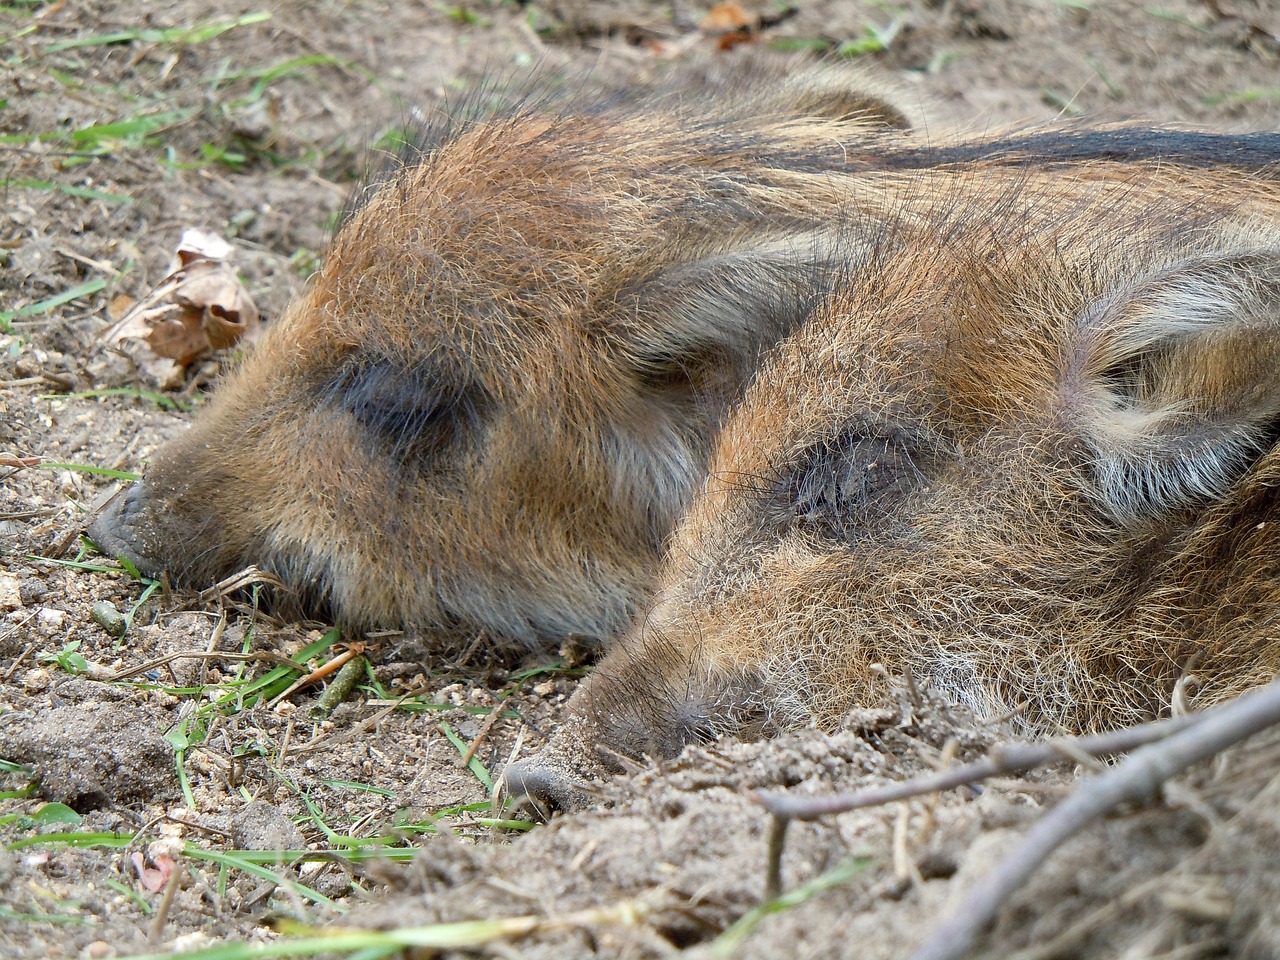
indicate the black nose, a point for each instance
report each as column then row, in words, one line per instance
column 113, row 530
column 539, row 787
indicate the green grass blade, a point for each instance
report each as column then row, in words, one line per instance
column 196, row 33
column 91, row 470
column 57, row 300
column 85, row 193
column 727, row 944
column 474, row 764
column 159, row 399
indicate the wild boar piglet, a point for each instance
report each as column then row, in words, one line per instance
column 497, row 394
column 1027, row 456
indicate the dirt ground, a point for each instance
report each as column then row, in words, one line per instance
column 123, row 124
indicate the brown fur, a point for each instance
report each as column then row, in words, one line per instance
column 1029, row 456
column 497, row 395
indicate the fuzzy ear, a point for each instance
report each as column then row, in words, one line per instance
column 1175, row 381
column 842, row 92
column 701, row 324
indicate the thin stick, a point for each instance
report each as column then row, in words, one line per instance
column 1137, row 778
column 156, row 930
column 777, row 841
column 485, row 727
column 257, row 656
column 1005, row 758
column 318, row 674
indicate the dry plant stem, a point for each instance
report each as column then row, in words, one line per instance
column 261, row 656
column 318, row 674
column 1007, row 758
column 156, row 931
column 1137, row 778
column 485, row 727
column 777, row 843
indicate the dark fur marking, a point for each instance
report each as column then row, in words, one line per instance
column 1256, row 152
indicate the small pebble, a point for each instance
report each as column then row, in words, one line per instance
column 105, row 615
column 10, row 593
column 49, row 620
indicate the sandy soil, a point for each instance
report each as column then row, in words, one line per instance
column 260, row 132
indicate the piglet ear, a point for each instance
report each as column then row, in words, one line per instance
column 1174, row 382
column 844, row 92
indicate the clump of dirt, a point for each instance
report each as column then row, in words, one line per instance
column 91, row 753
column 122, row 127
column 685, row 847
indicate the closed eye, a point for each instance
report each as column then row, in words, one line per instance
column 847, row 480
column 412, row 412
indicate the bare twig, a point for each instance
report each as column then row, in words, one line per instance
column 318, row 674
column 260, row 656
column 1005, row 758
column 1137, row 778
column 485, row 727
column 156, row 930
column 243, row 578
column 777, row 842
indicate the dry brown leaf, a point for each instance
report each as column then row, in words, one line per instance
column 730, row 25
column 12, row 460
column 199, row 307
column 728, row 17
column 120, row 305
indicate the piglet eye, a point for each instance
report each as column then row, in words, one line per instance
column 410, row 412
column 843, row 482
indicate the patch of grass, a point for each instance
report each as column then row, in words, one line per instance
column 125, row 890
column 70, row 190
column 82, row 565
column 358, row 787
column 473, row 764
column 463, row 935
column 1250, row 95
column 91, row 470
column 253, row 862
column 873, row 40
column 225, row 156
column 1060, row 101
column 192, row 728
column 305, row 262
column 1160, row 13
column 190, row 35
column 263, row 77
column 123, row 565
column 461, row 13
column 182, row 736
column 49, row 303
column 7, row 914
column 55, row 812
column 1115, row 91
column 159, row 399
column 25, row 773
column 726, row 945
column 799, row 44
column 100, row 139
